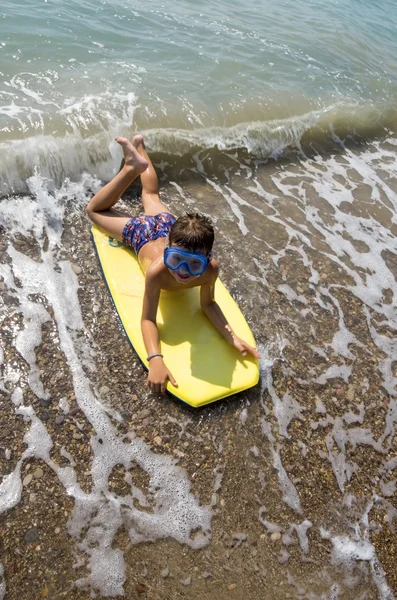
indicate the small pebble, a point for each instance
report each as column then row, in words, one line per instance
column 206, row 575
column 104, row 390
column 77, row 436
column 76, row 269
column 5, row 433
column 165, row 572
column 351, row 391
column 240, row 537
column 232, row 587
column 27, row 479
column 32, row 535
column 276, row 535
column 186, row 581
column 59, row 419
column 38, row 473
column 157, row 440
column 57, row 530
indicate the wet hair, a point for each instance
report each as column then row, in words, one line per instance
column 193, row 232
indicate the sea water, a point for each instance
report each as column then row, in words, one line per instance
column 254, row 76
column 279, row 121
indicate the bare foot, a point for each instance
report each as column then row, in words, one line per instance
column 137, row 141
column 132, row 158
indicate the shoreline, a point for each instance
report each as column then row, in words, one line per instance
column 288, row 469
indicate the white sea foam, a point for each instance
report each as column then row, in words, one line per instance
column 355, row 549
column 285, row 410
column 55, row 159
column 366, row 275
column 234, row 206
column 170, row 507
column 97, row 515
column 347, row 549
column 64, row 405
column 301, row 531
column 11, row 489
column 88, row 126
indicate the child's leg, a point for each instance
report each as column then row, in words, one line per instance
column 99, row 208
column 150, row 184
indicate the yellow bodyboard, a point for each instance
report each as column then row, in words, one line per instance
column 204, row 365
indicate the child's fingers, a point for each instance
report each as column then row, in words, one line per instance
column 254, row 352
column 171, row 378
column 158, row 388
column 247, row 348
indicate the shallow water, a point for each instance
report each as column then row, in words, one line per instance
column 291, row 486
column 76, row 74
column 306, row 246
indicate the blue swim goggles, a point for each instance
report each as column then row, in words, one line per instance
column 196, row 264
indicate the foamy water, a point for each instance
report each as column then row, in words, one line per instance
column 258, row 77
column 285, row 199
column 100, row 513
column 280, row 125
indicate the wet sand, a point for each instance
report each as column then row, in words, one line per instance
column 289, row 467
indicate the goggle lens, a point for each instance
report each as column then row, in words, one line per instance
column 174, row 259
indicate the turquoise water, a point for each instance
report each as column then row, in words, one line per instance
column 95, row 66
column 242, row 75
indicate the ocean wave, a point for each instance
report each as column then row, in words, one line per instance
column 271, row 138
column 70, row 155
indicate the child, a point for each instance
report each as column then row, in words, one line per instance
column 185, row 262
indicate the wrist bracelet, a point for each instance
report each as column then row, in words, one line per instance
column 153, row 355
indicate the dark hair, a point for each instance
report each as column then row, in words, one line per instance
column 193, row 232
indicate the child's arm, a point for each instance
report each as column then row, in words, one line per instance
column 218, row 319
column 158, row 373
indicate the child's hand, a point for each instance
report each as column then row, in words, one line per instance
column 159, row 375
column 244, row 348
